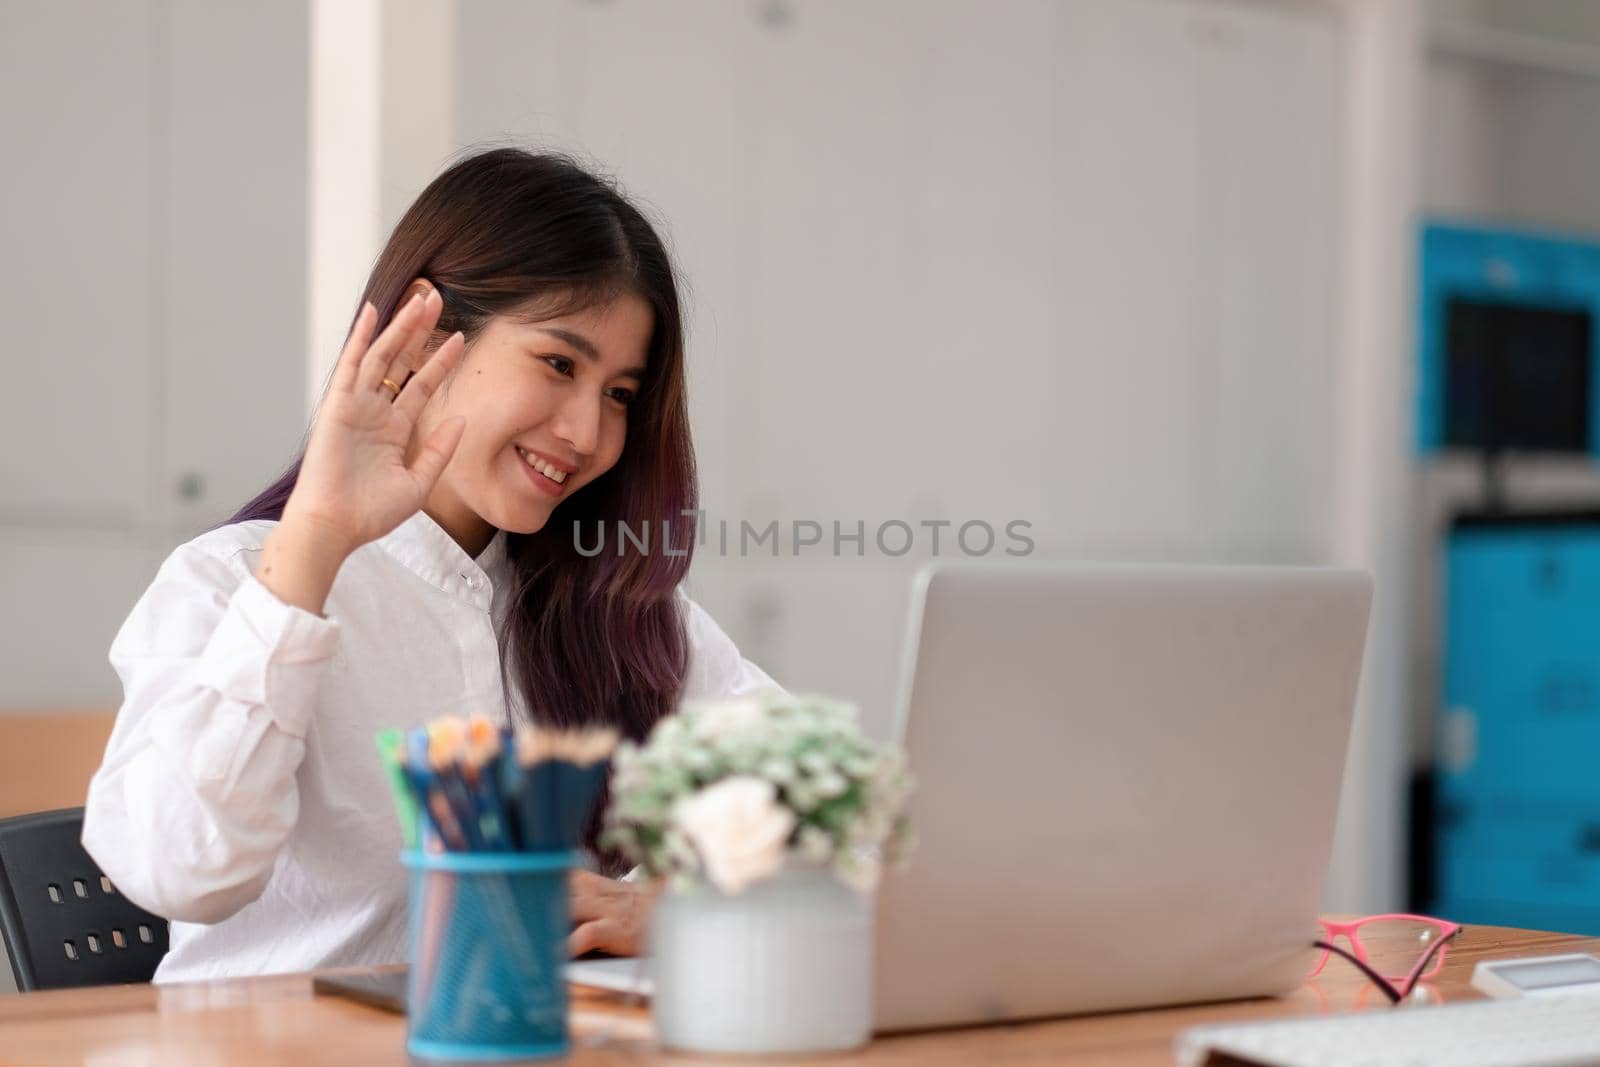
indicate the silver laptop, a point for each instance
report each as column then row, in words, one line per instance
column 1127, row 782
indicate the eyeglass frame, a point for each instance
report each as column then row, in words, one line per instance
column 1431, row 962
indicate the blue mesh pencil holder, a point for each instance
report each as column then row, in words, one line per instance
column 488, row 951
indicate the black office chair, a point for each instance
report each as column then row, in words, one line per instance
column 63, row 921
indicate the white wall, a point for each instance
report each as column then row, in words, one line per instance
column 1576, row 21
column 1552, row 153
column 1511, row 145
column 1512, row 90
column 1462, row 162
column 380, row 115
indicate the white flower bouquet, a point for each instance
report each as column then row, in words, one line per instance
column 729, row 790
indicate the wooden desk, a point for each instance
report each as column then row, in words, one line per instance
column 277, row 1020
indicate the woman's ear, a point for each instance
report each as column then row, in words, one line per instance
column 416, row 285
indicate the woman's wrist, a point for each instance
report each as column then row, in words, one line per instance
column 300, row 560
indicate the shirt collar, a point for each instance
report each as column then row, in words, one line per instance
column 493, row 560
column 423, row 547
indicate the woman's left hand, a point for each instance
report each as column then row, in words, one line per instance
column 609, row 915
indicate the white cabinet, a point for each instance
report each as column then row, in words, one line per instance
column 233, row 254
column 1197, row 154
column 1072, row 263
column 77, row 231
column 153, row 290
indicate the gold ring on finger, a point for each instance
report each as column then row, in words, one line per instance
column 393, row 388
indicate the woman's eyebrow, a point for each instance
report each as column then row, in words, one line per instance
column 587, row 348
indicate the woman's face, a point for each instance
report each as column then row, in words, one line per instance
column 546, row 409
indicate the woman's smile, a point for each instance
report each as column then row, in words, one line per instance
column 545, row 475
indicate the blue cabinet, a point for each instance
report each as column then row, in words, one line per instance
column 1518, row 754
column 1554, row 282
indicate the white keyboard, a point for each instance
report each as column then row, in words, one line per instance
column 1536, row 1032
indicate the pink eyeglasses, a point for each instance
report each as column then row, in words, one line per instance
column 1434, row 935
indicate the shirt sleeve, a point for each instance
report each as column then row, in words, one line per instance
column 197, row 791
column 716, row 669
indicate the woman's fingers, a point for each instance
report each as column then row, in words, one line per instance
column 415, row 392
column 355, row 346
column 398, row 335
column 408, row 329
column 608, row 914
column 607, row 935
column 436, row 452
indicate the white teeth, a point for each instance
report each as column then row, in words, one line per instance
column 542, row 467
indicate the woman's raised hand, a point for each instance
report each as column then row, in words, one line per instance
column 355, row 484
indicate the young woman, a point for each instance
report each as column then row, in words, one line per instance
column 514, row 378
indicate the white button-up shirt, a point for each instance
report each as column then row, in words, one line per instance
column 241, row 794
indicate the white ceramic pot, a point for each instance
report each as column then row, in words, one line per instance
column 784, row 966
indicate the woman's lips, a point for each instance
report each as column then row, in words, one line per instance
column 540, row 482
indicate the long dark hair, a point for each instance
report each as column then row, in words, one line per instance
column 593, row 639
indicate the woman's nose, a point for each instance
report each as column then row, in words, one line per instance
column 578, row 422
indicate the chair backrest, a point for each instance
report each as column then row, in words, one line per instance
column 63, row 921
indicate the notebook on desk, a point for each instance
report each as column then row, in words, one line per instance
column 388, row 990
